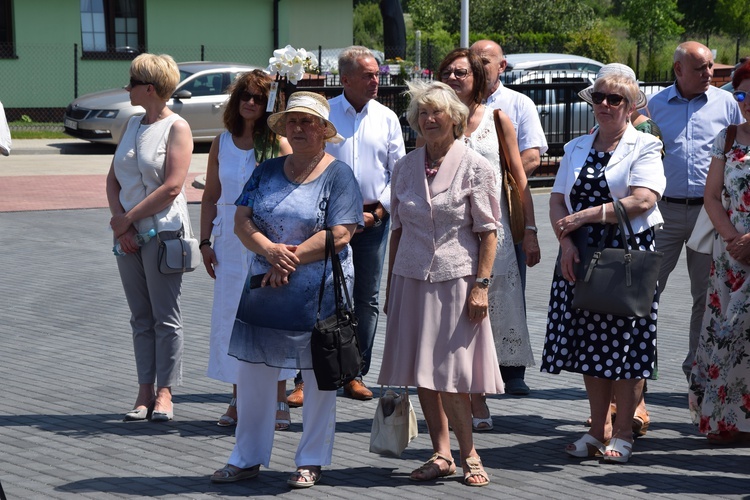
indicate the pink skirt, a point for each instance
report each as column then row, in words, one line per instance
column 431, row 343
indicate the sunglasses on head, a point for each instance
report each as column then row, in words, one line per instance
column 245, row 96
column 739, row 95
column 135, row 83
column 612, row 99
column 460, row 73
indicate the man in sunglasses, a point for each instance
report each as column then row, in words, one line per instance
column 532, row 144
column 690, row 114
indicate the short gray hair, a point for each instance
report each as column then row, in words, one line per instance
column 439, row 96
column 349, row 57
column 627, row 86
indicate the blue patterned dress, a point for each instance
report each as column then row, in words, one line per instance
column 273, row 325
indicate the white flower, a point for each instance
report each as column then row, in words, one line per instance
column 291, row 63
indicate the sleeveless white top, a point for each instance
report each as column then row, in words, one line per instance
column 139, row 168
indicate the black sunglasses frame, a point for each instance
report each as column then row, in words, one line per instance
column 446, row 74
column 613, row 100
column 245, row 96
column 135, row 83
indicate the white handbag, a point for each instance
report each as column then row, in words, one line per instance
column 702, row 238
column 394, row 425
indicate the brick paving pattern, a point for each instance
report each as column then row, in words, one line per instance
column 67, row 376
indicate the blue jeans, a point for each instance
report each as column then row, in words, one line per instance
column 368, row 254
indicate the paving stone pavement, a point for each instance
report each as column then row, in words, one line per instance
column 67, row 375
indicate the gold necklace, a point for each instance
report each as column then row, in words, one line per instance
column 302, row 176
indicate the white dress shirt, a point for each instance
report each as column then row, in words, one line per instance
column 372, row 144
column 522, row 112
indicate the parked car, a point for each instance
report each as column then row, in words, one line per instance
column 563, row 114
column 520, row 64
column 102, row 116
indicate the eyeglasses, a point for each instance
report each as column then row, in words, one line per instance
column 739, row 95
column 459, row 73
column 245, row 96
column 612, row 99
column 135, row 83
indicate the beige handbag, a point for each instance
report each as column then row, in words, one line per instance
column 702, row 238
column 394, row 425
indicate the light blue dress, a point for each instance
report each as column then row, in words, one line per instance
column 290, row 213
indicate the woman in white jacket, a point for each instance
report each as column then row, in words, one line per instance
column 614, row 354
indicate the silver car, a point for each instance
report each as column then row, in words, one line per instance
column 103, row 116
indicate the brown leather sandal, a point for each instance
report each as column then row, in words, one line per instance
column 429, row 471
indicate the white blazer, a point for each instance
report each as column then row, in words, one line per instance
column 635, row 162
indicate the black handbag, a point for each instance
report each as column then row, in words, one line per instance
column 617, row 281
column 336, row 357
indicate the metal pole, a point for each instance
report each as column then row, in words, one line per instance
column 464, row 23
column 418, row 49
column 203, row 52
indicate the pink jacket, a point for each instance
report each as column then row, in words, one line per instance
column 439, row 221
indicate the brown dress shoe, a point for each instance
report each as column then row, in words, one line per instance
column 356, row 389
column 296, row 397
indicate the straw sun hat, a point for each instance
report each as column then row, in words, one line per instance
column 305, row 102
column 615, row 69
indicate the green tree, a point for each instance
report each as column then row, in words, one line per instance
column 700, row 17
column 735, row 16
column 597, row 43
column 368, row 25
column 651, row 22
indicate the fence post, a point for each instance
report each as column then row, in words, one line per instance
column 75, row 71
column 638, row 59
column 203, row 52
column 429, row 55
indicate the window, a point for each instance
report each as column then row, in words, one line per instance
column 112, row 28
column 7, row 49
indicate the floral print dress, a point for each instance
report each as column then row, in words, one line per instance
column 719, row 395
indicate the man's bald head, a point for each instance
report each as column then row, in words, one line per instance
column 693, row 68
column 493, row 60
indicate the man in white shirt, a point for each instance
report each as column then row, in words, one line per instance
column 532, row 144
column 5, row 141
column 372, row 143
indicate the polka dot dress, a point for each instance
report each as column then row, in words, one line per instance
column 600, row 345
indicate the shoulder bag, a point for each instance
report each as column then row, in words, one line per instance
column 178, row 255
column 702, row 238
column 511, row 193
column 336, row 357
column 394, row 425
column 617, row 281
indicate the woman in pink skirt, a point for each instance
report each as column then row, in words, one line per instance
column 444, row 216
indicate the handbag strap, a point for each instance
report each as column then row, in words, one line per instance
column 339, row 281
column 504, row 155
column 622, row 222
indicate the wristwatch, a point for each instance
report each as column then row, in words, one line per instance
column 532, row 228
column 378, row 220
column 483, row 282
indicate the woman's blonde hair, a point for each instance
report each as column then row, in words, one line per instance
column 621, row 84
column 159, row 70
column 440, row 96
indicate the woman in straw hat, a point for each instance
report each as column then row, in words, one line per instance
column 615, row 354
column 281, row 217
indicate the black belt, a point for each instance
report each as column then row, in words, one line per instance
column 370, row 207
column 683, row 201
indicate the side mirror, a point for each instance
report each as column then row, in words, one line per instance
column 182, row 94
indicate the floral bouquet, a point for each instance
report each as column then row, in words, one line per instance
column 291, row 63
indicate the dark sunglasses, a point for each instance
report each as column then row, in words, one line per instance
column 739, row 95
column 459, row 73
column 135, row 83
column 612, row 99
column 245, row 96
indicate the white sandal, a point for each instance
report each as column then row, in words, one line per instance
column 585, row 446
column 283, row 424
column 624, row 448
